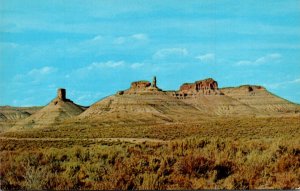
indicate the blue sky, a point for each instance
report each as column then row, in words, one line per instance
column 95, row 48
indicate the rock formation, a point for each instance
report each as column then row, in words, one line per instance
column 187, row 90
column 154, row 82
column 145, row 103
column 206, row 86
column 202, row 87
column 61, row 94
column 142, row 87
column 58, row 110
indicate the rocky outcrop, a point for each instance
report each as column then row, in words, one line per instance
column 187, row 90
column 58, row 110
column 202, row 87
column 145, row 103
column 154, row 82
column 198, row 86
column 142, row 87
column 61, row 94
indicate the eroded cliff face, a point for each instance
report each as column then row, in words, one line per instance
column 142, row 87
column 199, row 86
column 187, row 90
column 202, row 87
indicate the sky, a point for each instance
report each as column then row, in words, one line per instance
column 96, row 48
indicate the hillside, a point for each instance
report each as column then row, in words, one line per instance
column 145, row 103
column 58, row 110
column 16, row 113
column 261, row 99
column 136, row 108
column 10, row 115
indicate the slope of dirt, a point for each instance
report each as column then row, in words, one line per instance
column 16, row 113
column 141, row 108
column 56, row 111
column 145, row 103
column 259, row 98
column 10, row 115
column 222, row 105
column 163, row 107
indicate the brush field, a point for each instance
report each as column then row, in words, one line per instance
column 232, row 153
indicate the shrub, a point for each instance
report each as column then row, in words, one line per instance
column 224, row 169
column 194, row 166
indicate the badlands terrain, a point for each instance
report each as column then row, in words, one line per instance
column 199, row 136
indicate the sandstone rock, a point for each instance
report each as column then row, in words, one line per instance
column 187, row 87
column 61, row 94
column 207, row 87
column 140, row 85
column 154, row 82
column 206, row 84
column 120, row 92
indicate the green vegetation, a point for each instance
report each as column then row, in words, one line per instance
column 226, row 154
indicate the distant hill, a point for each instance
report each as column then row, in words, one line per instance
column 146, row 103
column 10, row 115
column 16, row 113
column 58, row 110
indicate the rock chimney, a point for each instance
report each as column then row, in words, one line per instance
column 154, row 82
column 61, row 94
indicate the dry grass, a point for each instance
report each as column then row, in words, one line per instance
column 224, row 154
column 193, row 163
column 268, row 127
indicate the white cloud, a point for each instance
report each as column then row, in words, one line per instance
column 243, row 62
column 99, row 65
column 136, row 65
column 296, row 81
column 85, row 97
column 119, row 40
column 108, row 64
column 206, row 57
column 97, row 38
column 275, row 57
column 41, row 71
column 35, row 74
column 163, row 53
column 282, row 84
column 140, row 36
